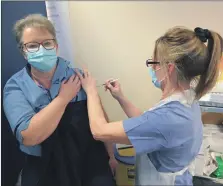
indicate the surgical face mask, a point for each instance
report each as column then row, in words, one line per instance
column 155, row 81
column 43, row 60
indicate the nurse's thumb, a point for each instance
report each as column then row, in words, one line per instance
column 110, row 87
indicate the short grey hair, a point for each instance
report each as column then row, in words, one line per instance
column 32, row 20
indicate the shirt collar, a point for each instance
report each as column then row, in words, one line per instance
column 186, row 98
column 60, row 73
column 61, row 70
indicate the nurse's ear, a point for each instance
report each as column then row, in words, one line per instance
column 171, row 68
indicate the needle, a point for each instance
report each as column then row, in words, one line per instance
column 112, row 81
column 109, row 82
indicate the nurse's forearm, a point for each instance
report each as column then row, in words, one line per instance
column 95, row 113
column 108, row 145
column 44, row 123
column 100, row 128
column 129, row 109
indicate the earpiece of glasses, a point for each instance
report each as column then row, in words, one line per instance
column 150, row 62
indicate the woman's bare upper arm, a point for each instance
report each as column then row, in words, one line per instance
column 113, row 132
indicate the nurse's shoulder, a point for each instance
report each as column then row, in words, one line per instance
column 15, row 80
column 69, row 72
column 178, row 123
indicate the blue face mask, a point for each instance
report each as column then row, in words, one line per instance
column 154, row 78
column 43, row 60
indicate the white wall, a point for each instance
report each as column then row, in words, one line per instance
column 114, row 39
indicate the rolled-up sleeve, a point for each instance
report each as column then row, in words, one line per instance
column 17, row 109
column 144, row 132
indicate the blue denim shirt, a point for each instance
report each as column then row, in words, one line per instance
column 23, row 98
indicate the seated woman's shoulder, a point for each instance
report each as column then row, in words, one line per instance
column 18, row 76
column 71, row 68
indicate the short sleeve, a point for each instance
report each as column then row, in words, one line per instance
column 81, row 94
column 144, row 132
column 17, row 109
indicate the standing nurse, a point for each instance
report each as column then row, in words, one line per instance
column 167, row 137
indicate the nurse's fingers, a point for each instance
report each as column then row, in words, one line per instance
column 114, row 83
column 105, row 88
column 64, row 81
column 78, row 84
column 86, row 72
column 79, row 75
column 109, row 86
column 76, row 79
column 109, row 80
column 71, row 79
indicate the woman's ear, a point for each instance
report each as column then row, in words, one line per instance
column 171, row 68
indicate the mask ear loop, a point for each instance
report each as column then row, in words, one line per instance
column 171, row 91
column 163, row 77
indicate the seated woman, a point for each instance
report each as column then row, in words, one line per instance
column 47, row 112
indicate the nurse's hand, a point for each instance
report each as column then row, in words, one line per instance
column 88, row 82
column 69, row 89
column 114, row 88
column 113, row 163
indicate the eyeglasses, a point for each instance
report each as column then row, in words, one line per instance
column 150, row 62
column 48, row 44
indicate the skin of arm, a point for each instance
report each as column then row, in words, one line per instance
column 116, row 91
column 108, row 145
column 100, row 128
column 129, row 109
column 44, row 123
column 38, row 131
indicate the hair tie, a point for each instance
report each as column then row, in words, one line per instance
column 202, row 34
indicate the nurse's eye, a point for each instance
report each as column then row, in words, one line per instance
column 32, row 47
column 49, row 44
column 35, row 45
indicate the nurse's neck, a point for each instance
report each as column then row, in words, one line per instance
column 174, row 88
column 43, row 78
